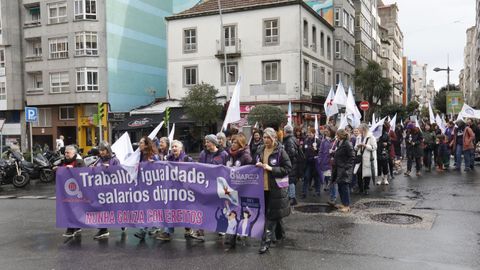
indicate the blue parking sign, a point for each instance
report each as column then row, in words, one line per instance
column 31, row 114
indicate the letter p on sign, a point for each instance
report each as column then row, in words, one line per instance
column 31, row 114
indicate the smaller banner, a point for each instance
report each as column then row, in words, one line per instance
column 164, row 194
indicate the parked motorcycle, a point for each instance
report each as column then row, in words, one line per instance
column 11, row 171
column 39, row 169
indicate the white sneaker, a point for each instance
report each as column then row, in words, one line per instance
column 385, row 182
column 378, row 182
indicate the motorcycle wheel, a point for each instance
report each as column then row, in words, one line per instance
column 21, row 180
column 46, row 176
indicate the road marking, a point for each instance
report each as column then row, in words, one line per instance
column 8, row 197
column 32, row 197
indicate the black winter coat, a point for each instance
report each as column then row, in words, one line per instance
column 343, row 163
column 383, row 151
column 278, row 204
column 291, row 147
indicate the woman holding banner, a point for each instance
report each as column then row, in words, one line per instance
column 239, row 152
column 276, row 164
column 211, row 155
column 163, row 147
column 106, row 159
column 148, row 153
column 177, row 155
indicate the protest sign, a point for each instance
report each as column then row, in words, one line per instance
column 164, row 194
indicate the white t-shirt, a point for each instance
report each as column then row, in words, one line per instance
column 59, row 144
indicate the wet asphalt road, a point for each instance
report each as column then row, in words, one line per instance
column 29, row 239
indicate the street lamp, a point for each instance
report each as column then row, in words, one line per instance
column 448, row 69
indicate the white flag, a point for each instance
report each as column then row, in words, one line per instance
column 352, row 109
column 377, row 129
column 317, row 134
column 440, row 123
column 374, row 121
column 468, row 112
column 340, row 98
column 393, row 122
column 233, row 112
column 170, row 136
column 290, row 113
column 329, row 106
column 122, row 147
column 343, row 122
column 417, row 124
column 224, row 191
column 134, row 158
column 430, row 113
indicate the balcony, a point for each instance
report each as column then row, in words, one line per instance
column 32, row 17
column 319, row 90
column 232, row 50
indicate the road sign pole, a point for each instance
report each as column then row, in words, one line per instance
column 31, row 142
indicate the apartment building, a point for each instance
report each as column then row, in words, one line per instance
column 283, row 50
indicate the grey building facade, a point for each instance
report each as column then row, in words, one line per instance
column 344, row 42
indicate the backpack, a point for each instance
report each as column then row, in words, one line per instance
column 300, row 154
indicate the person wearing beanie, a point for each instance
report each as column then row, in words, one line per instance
column 210, row 155
column 106, row 158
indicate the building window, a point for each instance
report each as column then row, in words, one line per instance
column 230, row 35
column 2, row 58
column 305, row 33
column 329, row 78
column 57, row 12
column 271, row 32
column 190, row 76
column 232, row 73
column 346, row 20
column 44, row 118
column 338, row 78
column 58, row 48
column 189, row 40
column 59, row 82
column 33, row 15
column 314, row 38
column 306, row 75
column 3, row 91
column 352, row 25
column 336, row 19
column 85, row 9
column 322, row 44
column 37, row 82
column 347, row 51
column 86, row 43
column 329, row 48
column 338, row 53
column 66, row 113
column 271, row 72
column 37, row 48
column 87, row 79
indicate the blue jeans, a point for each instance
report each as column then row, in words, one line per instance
column 291, row 191
column 458, row 156
column 469, row 158
column 344, row 191
column 310, row 172
column 333, row 190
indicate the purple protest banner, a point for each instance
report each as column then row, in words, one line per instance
column 164, row 194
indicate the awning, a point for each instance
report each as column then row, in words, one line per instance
column 34, row 10
column 147, row 121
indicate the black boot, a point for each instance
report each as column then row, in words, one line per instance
column 265, row 245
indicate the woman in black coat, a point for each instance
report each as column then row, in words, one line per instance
column 276, row 164
column 342, row 170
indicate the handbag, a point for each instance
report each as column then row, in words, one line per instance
column 359, row 158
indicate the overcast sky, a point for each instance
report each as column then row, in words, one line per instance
column 432, row 30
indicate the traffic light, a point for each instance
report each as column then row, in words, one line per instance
column 166, row 117
column 101, row 111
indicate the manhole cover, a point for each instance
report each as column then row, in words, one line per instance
column 314, row 208
column 397, row 218
column 383, row 204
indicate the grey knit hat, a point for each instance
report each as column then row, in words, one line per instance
column 212, row 138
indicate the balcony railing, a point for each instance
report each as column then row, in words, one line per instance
column 232, row 50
